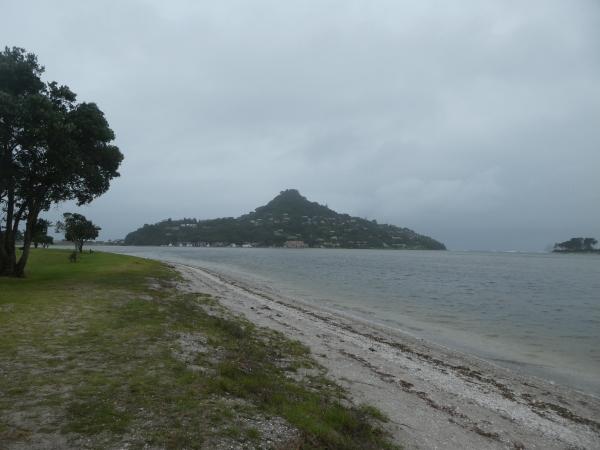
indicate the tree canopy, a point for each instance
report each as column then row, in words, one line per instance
column 52, row 149
column 78, row 229
column 577, row 244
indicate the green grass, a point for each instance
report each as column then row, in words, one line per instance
column 95, row 354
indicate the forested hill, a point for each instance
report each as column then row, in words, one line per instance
column 287, row 220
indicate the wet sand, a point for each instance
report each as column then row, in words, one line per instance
column 435, row 397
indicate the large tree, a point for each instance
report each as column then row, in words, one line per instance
column 52, row 149
column 78, row 229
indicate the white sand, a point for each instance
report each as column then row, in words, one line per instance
column 435, row 397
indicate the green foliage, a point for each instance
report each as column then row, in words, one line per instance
column 287, row 217
column 52, row 149
column 40, row 234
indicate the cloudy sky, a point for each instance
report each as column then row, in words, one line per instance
column 476, row 122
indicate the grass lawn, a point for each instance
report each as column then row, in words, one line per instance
column 107, row 353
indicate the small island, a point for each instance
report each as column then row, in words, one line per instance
column 577, row 245
column 289, row 220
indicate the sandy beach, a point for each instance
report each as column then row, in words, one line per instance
column 435, row 397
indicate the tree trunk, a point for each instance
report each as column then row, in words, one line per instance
column 8, row 254
column 19, row 270
column 3, row 256
column 20, row 267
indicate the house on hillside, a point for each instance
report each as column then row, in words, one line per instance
column 295, row 244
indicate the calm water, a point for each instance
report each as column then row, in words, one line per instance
column 537, row 313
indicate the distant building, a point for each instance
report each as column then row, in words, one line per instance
column 294, row 244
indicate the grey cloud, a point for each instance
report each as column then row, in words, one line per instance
column 474, row 121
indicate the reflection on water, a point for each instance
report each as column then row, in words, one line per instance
column 536, row 312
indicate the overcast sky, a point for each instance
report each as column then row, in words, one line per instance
column 476, row 122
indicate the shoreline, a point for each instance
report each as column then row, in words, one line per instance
column 534, row 329
column 434, row 396
column 548, row 371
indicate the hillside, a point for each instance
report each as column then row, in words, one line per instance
column 289, row 219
